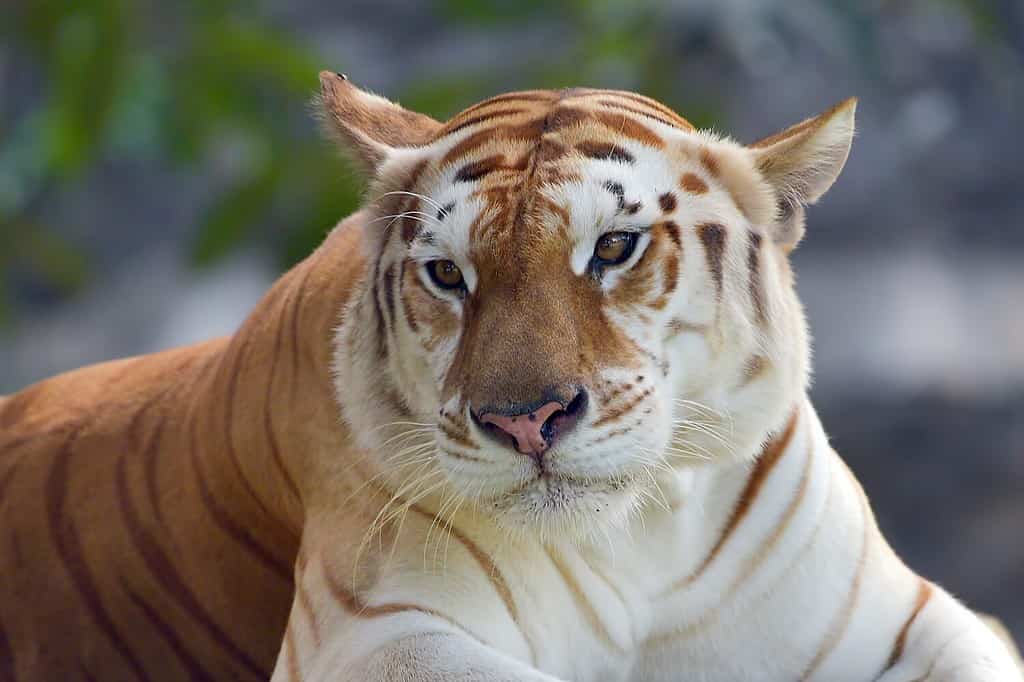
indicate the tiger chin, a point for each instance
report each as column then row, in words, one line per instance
column 538, row 411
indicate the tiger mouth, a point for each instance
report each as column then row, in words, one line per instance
column 546, row 485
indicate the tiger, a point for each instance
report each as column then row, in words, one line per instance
column 537, row 411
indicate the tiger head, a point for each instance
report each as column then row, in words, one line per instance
column 570, row 294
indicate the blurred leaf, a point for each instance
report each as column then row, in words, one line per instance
column 491, row 13
column 88, row 52
column 5, row 305
column 984, row 16
column 321, row 196
column 60, row 265
column 138, row 111
column 233, row 216
column 442, row 99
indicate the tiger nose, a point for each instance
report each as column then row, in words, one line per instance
column 533, row 432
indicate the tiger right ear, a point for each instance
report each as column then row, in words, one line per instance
column 801, row 163
column 369, row 127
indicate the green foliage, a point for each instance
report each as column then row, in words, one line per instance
column 211, row 88
column 205, row 87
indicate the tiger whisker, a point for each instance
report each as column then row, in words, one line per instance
column 417, row 195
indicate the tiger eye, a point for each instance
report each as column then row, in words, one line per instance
column 445, row 274
column 614, row 247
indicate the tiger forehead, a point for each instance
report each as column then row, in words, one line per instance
column 522, row 130
column 514, row 147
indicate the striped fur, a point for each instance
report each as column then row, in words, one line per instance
column 205, row 514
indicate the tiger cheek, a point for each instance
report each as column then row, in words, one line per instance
column 433, row 320
column 641, row 285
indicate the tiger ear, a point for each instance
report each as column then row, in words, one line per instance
column 370, row 128
column 801, row 163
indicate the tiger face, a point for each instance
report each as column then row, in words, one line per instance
column 570, row 296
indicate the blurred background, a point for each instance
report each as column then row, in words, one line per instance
column 159, row 168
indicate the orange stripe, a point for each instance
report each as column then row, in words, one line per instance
column 615, row 413
column 653, row 104
column 462, row 122
column 842, row 620
column 924, row 593
column 268, row 421
column 71, row 551
column 490, row 569
column 487, row 564
column 755, row 560
column 640, row 112
column 595, row 622
column 460, row 438
column 630, row 127
column 765, row 463
column 353, row 605
column 787, row 517
column 522, row 97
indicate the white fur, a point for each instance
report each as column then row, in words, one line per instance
column 624, row 522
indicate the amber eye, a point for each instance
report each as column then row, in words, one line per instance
column 614, row 248
column 445, row 274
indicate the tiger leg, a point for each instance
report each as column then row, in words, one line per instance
column 948, row 643
column 404, row 647
column 996, row 626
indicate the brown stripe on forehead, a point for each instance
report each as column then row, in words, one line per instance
column 529, row 130
column 754, row 265
column 640, row 104
column 657, row 106
column 629, row 127
column 478, row 169
column 640, row 112
column 564, row 116
column 461, row 123
column 713, row 238
column 604, row 150
column 524, row 96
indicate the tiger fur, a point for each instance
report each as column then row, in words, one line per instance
column 526, row 463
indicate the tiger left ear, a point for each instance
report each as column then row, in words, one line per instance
column 369, row 127
column 801, row 163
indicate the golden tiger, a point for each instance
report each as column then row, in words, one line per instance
column 537, row 412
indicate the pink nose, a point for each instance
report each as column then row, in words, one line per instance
column 526, row 429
